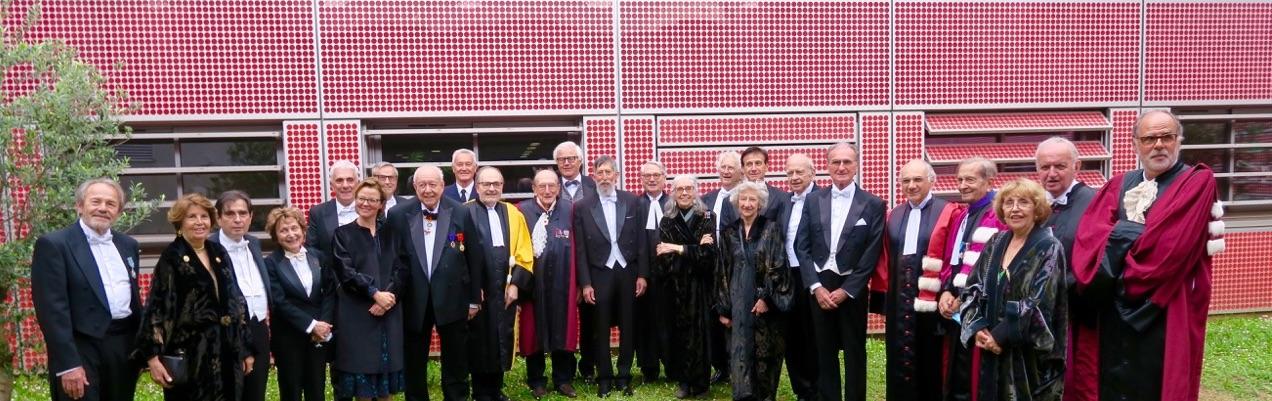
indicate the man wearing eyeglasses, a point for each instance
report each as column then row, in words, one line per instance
column 569, row 160
column 386, row 173
column 651, row 338
column 1142, row 271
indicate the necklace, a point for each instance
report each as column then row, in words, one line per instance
column 200, row 248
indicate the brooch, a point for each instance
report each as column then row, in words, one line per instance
column 451, row 240
column 185, row 258
column 460, row 238
column 225, row 321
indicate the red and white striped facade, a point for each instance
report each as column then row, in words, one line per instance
column 681, row 81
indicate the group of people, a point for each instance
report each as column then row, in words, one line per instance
column 1035, row 290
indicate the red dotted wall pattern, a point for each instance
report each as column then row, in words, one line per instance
column 953, row 123
column 1006, row 152
column 907, row 144
column 875, row 161
column 638, row 148
column 1212, row 52
column 753, row 55
column 1092, row 178
column 702, row 161
column 1124, row 157
column 755, row 129
column 344, row 141
column 186, row 57
column 1239, row 273
column 989, row 53
column 304, row 165
column 600, row 138
column 452, row 57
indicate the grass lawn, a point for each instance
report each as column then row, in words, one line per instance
column 1237, row 368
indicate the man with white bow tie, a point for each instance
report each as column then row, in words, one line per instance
column 843, row 239
column 801, row 357
column 234, row 217
column 1058, row 165
column 84, row 280
column 325, row 217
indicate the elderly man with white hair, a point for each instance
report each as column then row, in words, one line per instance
column 340, row 210
column 569, row 160
column 464, row 166
column 1058, row 165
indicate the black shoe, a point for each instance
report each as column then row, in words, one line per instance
column 602, row 390
column 682, row 391
column 538, row 392
column 720, row 376
column 629, row 391
column 567, row 390
column 699, row 393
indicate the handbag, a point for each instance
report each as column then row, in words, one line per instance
column 177, row 367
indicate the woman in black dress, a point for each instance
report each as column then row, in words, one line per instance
column 195, row 311
column 685, row 264
column 302, row 308
column 369, row 362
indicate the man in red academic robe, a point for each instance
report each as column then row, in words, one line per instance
column 1141, row 262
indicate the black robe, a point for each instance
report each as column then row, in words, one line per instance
column 686, row 281
column 552, row 305
column 491, row 342
column 914, row 342
column 190, row 311
column 751, row 269
column 1018, row 303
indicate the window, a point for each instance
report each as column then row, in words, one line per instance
column 174, row 161
column 518, row 149
column 1237, row 144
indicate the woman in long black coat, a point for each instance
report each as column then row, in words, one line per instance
column 685, row 265
column 195, row 310
column 753, row 284
column 368, row 329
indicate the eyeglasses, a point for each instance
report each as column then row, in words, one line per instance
column 368, row 200
column 490, row 184
column 568, row 159
column 1152, row 140
column 382, row 177
column 1023, row 204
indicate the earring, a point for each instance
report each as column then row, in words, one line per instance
column 179, row 234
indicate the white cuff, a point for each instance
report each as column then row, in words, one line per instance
column 812, row 289
column 310, row 329
column 59, row 374
column 474, row 306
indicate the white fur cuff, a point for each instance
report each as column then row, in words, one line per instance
column 1214, row 246
column 929, row 284
column 983, row 234
column 1217, row 228
column 924, row 306
column 932, row 264
column 1216, row 210
column 960, row 280
column 970, row 258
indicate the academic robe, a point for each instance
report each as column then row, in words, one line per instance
column 960, row 260
column 753, row 267
column 1149, row 286
column 1017, row 303
column 686, row 279
column 913, row 342
column 491, row 340
column 552, row 306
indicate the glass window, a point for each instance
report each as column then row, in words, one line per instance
column 236, row 152
column 523, row 146
column 157, row 223
column 1217, row 159
column 1259, row 131
column 256, row 184
column 1252, row 188
column 147, row 153
column 1254, row 160
column 155, row 185
column 1205, row 132
column 423, row 148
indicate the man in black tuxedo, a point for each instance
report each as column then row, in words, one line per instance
column 442, row 292
column 651, row 328
column 754, row 168
column 569, row 159
column 729, row 166
column 325, row 217
column 842, row 241
column 801, row 356
column 387, row 174
column 84, row 280
column 610, row 229
column 464, row 166
column 234, row 218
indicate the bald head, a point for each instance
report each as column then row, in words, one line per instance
column 799, row 172
column 546, row 187
column 917, row 178
column 490, row 183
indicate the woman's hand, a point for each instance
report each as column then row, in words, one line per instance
column 726, row 322
column 706, row 240
column 384, row 300
column 665, row 248
column 158, row 373
column 985, row 341
column 948, row 305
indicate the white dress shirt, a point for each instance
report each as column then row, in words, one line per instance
column 430, row 234
column 911, row 237
column 248, row 276
column 1063, row 199
column 464, row 192
column 300, row 264
column 792, row 226
column 840, row 203
column 721, row 197
column 572, row 185
column 655, row 212
column 115, row 275
column 346, row 214
column 608, row 204
column 496, row 227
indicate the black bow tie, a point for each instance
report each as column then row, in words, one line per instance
column 430, row 215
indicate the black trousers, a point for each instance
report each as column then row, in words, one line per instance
column 562, row 369
column 254, row 383
column 842, row 328
column 587, row 361
column 801, row 350
column 454, row 341
column 112, row 376
column 301, row 365
column 651, row 338
column 487, row 386
column 615, row 303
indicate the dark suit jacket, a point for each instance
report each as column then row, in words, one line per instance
column 651, row 236
column 70, row 299
column 450, row 287
column 859, row 246
column 452, row 192
column 400, row 200
column 777, row 201
column 588, row 188
column 322, row 225
column 727, row 214
column 253, row 244
column 290, row 307
column 592, row 244
column 784, row 214
column 1064, row 218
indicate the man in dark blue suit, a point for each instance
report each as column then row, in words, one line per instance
column 443, row 293
column 842, row 241
column 755, row 167
column 234, row 217
column 84, row 280
column 464, row 166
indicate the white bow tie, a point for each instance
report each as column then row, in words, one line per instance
column 297, row 256
column 835, row 193
column 345, row 209
column 610, row 199
column 101, row 239
column 797, row 198
column 235, row 246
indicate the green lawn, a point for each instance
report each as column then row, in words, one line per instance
column 1237, row 367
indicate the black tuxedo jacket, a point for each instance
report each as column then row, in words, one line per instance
column 323, row 221
column 289, row 305
column 592, row 245
column 69, row 296
column 254, row 245
column 787, row 207
column 450, row 286
column 859, row 245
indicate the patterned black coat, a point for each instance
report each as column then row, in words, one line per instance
column 753, row 267
column 686, row 281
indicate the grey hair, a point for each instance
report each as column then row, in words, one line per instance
column 800, row 158
column 603, row 160
column 381, row 165
column 463, row 151
column 698, row 206
column 80, row 192
column 760, row 191
column 657, row 164
column 731, row 157
column 1179, row 127
column 345, row 164
column 428, row 168
column 987, row 168
column 567, row 144
column 489, row 168
column 927, row 168
column 1056, row 140
column 844, row 144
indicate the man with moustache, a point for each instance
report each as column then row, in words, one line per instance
column 841, row 245
column 755, row 167
column 651, row 328
column 611, row 242
column 84, row 280
column 499, row 238
column 386, row 173
column 340, row 210
column 464, row 166
column 442, row 293
column 913, row 342
column 729, row 166
column 549, row 319
column 569, row 160
column 1142, row 266
column 234, row 217
column 801, row 356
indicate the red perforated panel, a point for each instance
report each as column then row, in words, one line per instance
column 1124, row 157
column 907, row 138
column 1016, row 52
column 186, row 57
column 875, row 164
column 1092, row 178
column 747, row 55
column 343, row 143
column 1239, row 273
column 755, row 129
column 638, row 148
column 304, row 164
column 702, row 161
column 1016, row 122
column 1212, row 51
column 599, row 139
column 464, row 57
column 1006, row 152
